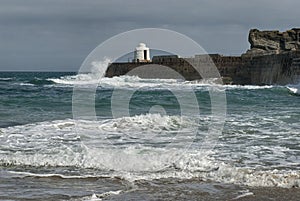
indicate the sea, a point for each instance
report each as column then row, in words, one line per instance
column 153, row 150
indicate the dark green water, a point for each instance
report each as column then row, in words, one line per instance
column 45, row 154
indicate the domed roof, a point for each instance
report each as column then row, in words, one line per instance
column 142, row 45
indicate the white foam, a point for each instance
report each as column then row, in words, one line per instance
column 57, row 143
column 6, row 78
column 136, row 82
column 94, row 197
column 122, row 142
column 251, row 87
column 81, row 79
column 26, row 84
column 153, row 122
column 253, row 177
column 120, row 82
column 244, row 193
column 97, row 197
column 295, row 89
column 192, row 166
column 109, row 193
column 19, row 174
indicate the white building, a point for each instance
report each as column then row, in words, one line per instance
column 141, row 53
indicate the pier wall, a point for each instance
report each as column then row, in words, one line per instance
column 273, row 58
column 259, row 70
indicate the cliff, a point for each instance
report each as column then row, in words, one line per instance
column 273, row 58
column 273, row 42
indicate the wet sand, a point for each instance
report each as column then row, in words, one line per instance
column 206, row 191
column 57, row 188
column 274, row 194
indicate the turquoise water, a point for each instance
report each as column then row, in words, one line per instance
column 46, row 154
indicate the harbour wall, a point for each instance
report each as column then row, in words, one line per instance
column 283, row 68
column 273, row 58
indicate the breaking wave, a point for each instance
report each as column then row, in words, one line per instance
column 294, row 89
column 136, row 82
column 103, row 146
column 40, row 81
column 6, row 79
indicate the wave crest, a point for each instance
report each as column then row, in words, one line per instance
column 57, row 144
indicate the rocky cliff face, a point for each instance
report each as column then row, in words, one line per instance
column 273, row 42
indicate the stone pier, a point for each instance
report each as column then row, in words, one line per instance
column 273, row 58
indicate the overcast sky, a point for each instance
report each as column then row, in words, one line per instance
column 56, row 35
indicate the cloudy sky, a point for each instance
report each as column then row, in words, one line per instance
column 56, row 35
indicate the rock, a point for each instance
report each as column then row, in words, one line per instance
column 273, row 42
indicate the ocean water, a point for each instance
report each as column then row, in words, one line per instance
column 47, row 154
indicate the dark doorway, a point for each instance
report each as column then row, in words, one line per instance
column 145, row 54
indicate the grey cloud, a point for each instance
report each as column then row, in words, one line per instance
column 58, row 34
